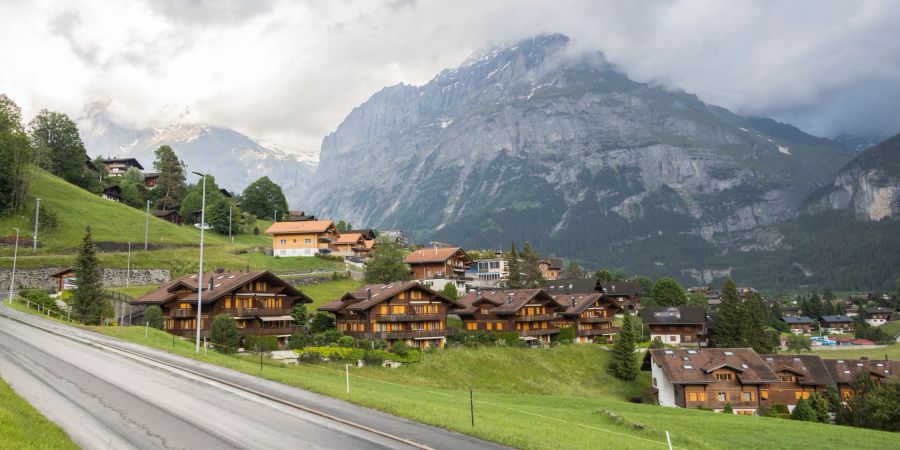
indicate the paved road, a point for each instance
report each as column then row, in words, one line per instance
column 107, row 397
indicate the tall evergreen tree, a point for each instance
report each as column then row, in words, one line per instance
column 756, row 325
column 531, row 269
column 514, row 267
column 387, row 264
column 87, row 299
column 170, row 186
column 217, row 215
column 263, row 197
column 815, row 305
column 729, row 324
column 575, row 270
column 191, row 202
column 622, row 363
column 604, row 276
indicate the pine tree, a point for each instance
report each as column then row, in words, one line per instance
column 819, row 405
column 755, row 324
column 575, row 270
column 170, row 186
column 531, row 268
column 728, row 331
column 514, row 279
column 815, row 305
column 224, row 334
column 87, row 299
column 803, row 411
column 622, row 363
column 450, row 291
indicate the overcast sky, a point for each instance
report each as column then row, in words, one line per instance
column 289, row 72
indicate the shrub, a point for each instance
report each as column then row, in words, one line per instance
column 41, row 298
column 374, row 358
column 346, row 341
column 256, row 230
column 298, row 341
column 728, row 409
column 565, row 335
column 321, row 322
column 261, row 343
column 309, row 356
column 656, row 343
column 400, row 348
column 380, row 344
column 509, row 339
column 153, row 316
column 331, row 336
column 224, row 334
column 804, row 412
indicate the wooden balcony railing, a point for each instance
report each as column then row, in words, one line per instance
column 183, row 313
column 270, row 331
column 595, row 319
column 541, row 332
column 409, row 317
column 597, row 331
column 532, row 318
column 247, row 312
column 402, row 334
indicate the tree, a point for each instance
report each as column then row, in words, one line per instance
column 153, row 316
column 16, row 154
column 644, row 282
column 531, row 269
column 133, row 194
column 299, row 314
column 387, row 264
column 343, row 227
column 221, row 214
column 697, row 299
column 513, row 264
column 170, row 185
column 193, row 200
column 667, row 292
column 604, row 276
column 815, row 305
column 622, row 363
column 797, row 343
column 321, row 322
column 87, row 300
column 819, row 405
column 62, row 152
column 263, row 197
column 225, row 334
column 803, row 411
column 755, row 331
column 728, row 331
column 575, row 271
column 450, row 291
column 728, row 409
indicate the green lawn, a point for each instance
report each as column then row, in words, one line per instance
column 133, row 291
column 892, row 351
column 328, row 291
column 539, row 410
column 23, row 427
column 892, row 328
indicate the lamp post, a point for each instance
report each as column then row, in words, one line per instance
column 128, row 275
column 230, row 237
column 275, row 216
column 147, row 226
column 12, row 279
column 200, row 274
column 37, row 215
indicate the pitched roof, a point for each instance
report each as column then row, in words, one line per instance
column 802, row 320
column 553, row 263
column 349, row 238
column 367, row 233
column 575, row 304
column 503, row 301
column 618, row 288
column 129, row 161
column 672, row 315
column 810, row 369
column 686, row 366
column 845, row 370
column 835, row 319
column 572, row 286
column 223, row 283
column 373, row 294
column 877, row 310
column 307, row 226
column 433, row 255
column 61, row 272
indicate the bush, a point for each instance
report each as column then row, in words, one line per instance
column 331, row 336
column 656, row 343
column 261, row 343
column 804, row 412
column 224, row 334
column 153, row 316
column 400, row 348
column 309, row 356
column 373, row 358
column 565, row 335
column 321, row 322
column 380, row 344
column 298, row 341
column 346, row 341
column 40, row 297
column 728, row 409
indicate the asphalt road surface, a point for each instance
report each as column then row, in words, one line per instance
column 112, row 394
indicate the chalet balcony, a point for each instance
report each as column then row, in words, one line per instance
column 409, row 317
column 533, row 318
column 183, row 313
column 270, row 331
column 595, row 319
column 403, row 334
column 251, row 312
column 542, row 332
column 597, row 332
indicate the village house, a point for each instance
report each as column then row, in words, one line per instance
column 682, row 325
column 298, row 216
column 259, row 301
column 113, row 192
column 528, row 312
column 488, row 273
column 585, row 286
column 170, row 215
column 306, row 238
column 591, row 315
column 625, row 293
column 798, row 325
column 711, row 378
column 844, row 372
column 350, row 244
column 401, row 312
column 790, row 311
column 439, row 266
column 799, row 375
column 116, row 167
column 836, row 324
column 551, row 268
column 396, row 236
column 877, row 316
column 151, row 179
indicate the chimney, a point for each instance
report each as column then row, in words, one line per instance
column 573, row 302
column 368, row 293
column 220, row 270
column 210, row 283
column 509, row 297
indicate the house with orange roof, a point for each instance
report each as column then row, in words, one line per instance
column 303, row 238
column 439, row 266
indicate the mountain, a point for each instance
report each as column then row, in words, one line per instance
column 233, row 158
column 869, row 185
column 537, row 141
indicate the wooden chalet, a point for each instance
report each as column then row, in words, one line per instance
column 836, row 324
column 298, row 216
column 259, row 301
column 151, row 179
column 625, row 293
column 845, row 371
column 117, row 167
column 306, row 238
column 551, row 268
column 353, row 243
column 877, row 316
column 439, row 266
column 710, row 377
column 400, row 312
column 528, row 312
column 585, row 286
column 682, row 325
column 798, row 325
column 799, row 375
column 790, row 311
column 169, row 215
column 113, row 192
column 590, row 314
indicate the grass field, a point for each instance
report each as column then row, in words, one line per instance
column 892, row 351
column 328, row 291
column 133, row 291
column 545, row 407
column 892, row 328
column 23, row 427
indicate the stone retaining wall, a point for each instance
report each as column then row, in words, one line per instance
column 40, row 278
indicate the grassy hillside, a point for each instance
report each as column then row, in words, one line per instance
column 75, row 209
column 328, row 291
column 892, row 351
column 23, row 427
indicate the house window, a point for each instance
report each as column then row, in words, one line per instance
column 723, row 377
column 307, row 241
column 788, row 378
column 284, row 241
column 471, row 326
column 672, row 338
column 799, row 394
column 721, row 397
column 764, row 394
column 499, row 326
column 747, row 396
column 490, row 326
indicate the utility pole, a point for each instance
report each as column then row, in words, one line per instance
column 128, row 276
column 12, row 279
column 37, row 216
column 200, row 275
column 147, row 226
column 230, row 237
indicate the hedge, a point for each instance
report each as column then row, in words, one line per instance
column 353, row 354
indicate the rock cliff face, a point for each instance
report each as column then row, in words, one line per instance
column 869, row 185
column 539, row 142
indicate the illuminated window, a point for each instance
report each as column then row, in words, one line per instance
column 764, row 394
column 723, row 376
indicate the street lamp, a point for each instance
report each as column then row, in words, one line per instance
column 230, row 209
column 37, row 214
column 12, row 279
column 200, row 274
column 147, row 226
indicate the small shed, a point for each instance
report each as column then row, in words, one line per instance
column 66, row 279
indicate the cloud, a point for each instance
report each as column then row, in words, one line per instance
column 289, row 72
